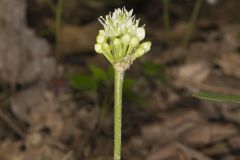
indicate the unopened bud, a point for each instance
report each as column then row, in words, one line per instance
column 101, row 32
column 98, row 48
column 139, row 52
column 140, row 33
column 106, row 47
column 134, row 42
column 117, row 42
column 146, row 46
column 101, row 39
column 126, row 39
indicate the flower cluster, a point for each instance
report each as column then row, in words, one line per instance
column 121, row 37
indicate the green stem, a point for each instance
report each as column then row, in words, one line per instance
column 193, row 21
column 118, row 83
column 58, row 23
column 51, row 5
column 166, row 21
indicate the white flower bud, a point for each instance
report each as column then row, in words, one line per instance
column 106, row 47
column 102, row 32
column 212, row 2
column 140, row 33
column 120, row 37
column 146, row 46
column 101, row 39
column 134, row 42
column 138, row 53
column 118, row 49
column 98, row 48
column 117, row 42
column 125, row 39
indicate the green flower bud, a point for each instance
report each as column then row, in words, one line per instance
column 138, row 53
column 101, row 39
column 146, row 46
column 125, row 39
column 117, row 42
column 98, row 48
column 140, row 33
column 134, row 42
column 107, row 52
column 120, row 37
column 102, row 32
column 106, row 47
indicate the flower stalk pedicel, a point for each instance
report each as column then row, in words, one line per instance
column 120, row 43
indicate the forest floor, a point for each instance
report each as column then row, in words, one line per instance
column 67, row 114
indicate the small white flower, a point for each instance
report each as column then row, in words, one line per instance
column 126, row 39
column 146, row 46
column 139, row 52
column 98, row 48
column 140, row 33
column 101, row 39
column 134, row 42
column 121, row 38
column 212, row 2
column 119, row 22
column 117, row 42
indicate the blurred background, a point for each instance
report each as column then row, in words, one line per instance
column 56, row 93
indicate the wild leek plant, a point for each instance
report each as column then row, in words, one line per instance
column 221, row 97
column 119, row 42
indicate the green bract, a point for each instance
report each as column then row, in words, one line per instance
column 120, row 40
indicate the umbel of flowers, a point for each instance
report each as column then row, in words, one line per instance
column 121, row 39
column 121, row 43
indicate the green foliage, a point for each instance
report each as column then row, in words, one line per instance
column 98, row 73
column 47, row 32
column 129, row 95
column 4, row 95
column 98, row 79
column 153, row 70
column 192, row 23
column 218, row 97
column 83, row 82
column 166, row 21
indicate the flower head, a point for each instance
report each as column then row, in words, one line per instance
column 121, row 37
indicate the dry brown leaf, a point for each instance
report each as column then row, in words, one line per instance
column 176, row 151
column 230, row 64
column 163, row 153
column 234, row 142
column 194, row 72
column 209, row 133
column 75, row 39
column 173, row 127
column 218, row 149
column 190, row 154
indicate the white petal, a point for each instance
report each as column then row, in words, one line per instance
column 98, row 48
column 140, row 33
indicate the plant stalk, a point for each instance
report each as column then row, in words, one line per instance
column 193, row 21
column 118, row 84
column 58, row 24
column 166, row 22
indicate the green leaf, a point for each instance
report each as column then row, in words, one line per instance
column 218, row 97
column 48, row 32
column 110, row 73
column 129, row 95
column 128, row 83
column 98, row 73
column 154, row 70
column 83, row 82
